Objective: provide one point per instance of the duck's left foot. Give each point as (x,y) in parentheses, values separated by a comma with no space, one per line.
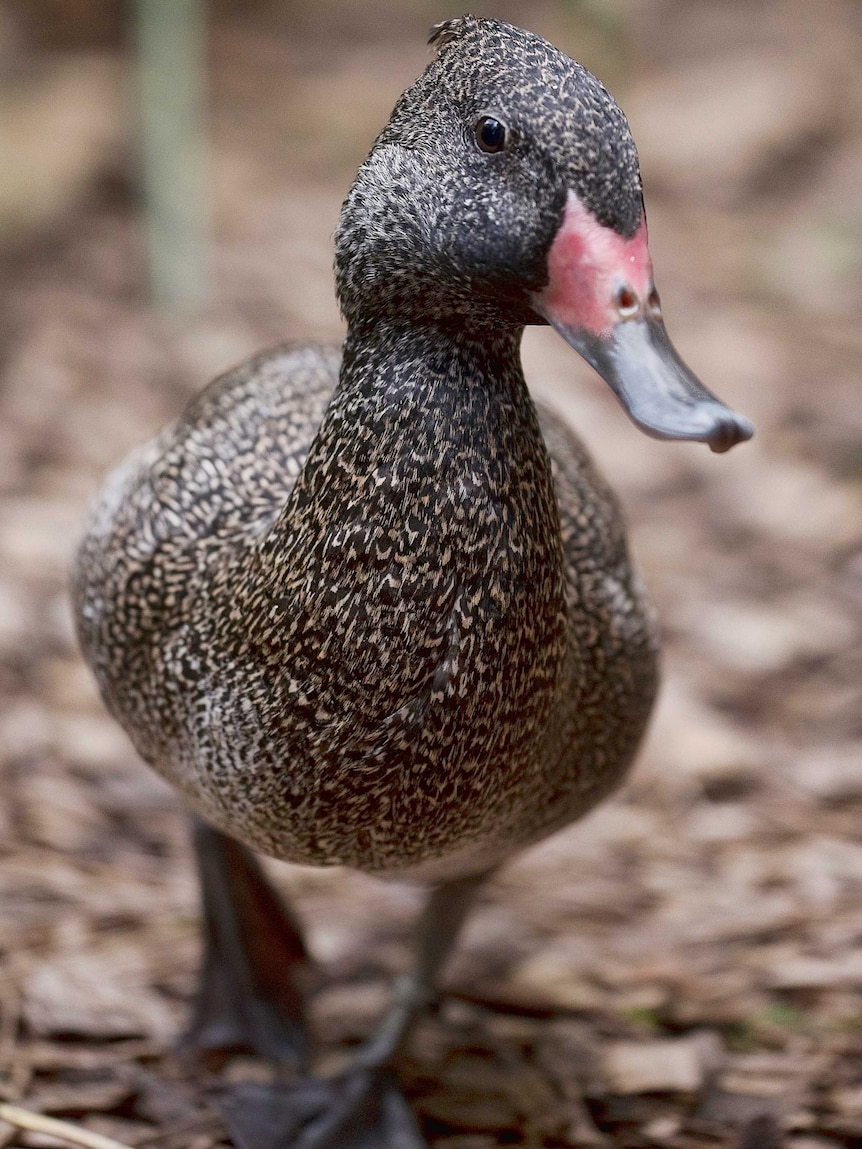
(360,1109)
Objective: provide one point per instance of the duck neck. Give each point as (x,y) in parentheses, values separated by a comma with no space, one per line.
(422,365)
(427,404)
(430,450)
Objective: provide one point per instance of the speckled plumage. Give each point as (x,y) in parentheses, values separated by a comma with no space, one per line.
(382,613)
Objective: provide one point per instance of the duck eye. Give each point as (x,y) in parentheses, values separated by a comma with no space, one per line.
(491,134)
(626,301)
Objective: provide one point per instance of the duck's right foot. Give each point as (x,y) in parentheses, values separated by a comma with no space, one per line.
(360,1109)
(250,993)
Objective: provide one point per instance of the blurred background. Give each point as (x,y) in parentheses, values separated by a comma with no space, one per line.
(683,969)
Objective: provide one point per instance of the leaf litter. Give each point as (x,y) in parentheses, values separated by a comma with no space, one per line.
(682,970)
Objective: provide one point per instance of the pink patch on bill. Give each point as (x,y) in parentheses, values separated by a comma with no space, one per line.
(587,264)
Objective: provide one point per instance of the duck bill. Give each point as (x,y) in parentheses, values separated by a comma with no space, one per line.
(600,296)
(658,391)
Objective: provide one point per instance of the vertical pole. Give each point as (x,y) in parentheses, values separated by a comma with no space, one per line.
(171,38)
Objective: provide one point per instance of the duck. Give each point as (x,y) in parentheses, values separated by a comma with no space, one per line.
(374,607)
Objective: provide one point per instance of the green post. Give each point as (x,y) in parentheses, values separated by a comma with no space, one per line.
(171,39)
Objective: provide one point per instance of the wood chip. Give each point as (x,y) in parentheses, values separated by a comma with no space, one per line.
(676,1065)
(83,994)
(818,973)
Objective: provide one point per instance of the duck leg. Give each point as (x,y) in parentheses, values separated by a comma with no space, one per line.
(361,1108)
(249,993)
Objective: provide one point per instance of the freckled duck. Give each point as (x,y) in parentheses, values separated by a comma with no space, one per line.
(374,609)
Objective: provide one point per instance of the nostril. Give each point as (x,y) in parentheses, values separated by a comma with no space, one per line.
(654,304)
(627,302)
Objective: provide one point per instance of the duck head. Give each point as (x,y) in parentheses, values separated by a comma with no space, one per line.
(505,191)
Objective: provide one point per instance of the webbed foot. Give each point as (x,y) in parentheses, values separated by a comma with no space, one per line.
(360,1109)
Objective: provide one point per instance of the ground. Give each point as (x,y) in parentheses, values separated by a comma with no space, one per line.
(684,968)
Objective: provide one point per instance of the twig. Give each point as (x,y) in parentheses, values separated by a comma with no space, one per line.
(38,1123)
